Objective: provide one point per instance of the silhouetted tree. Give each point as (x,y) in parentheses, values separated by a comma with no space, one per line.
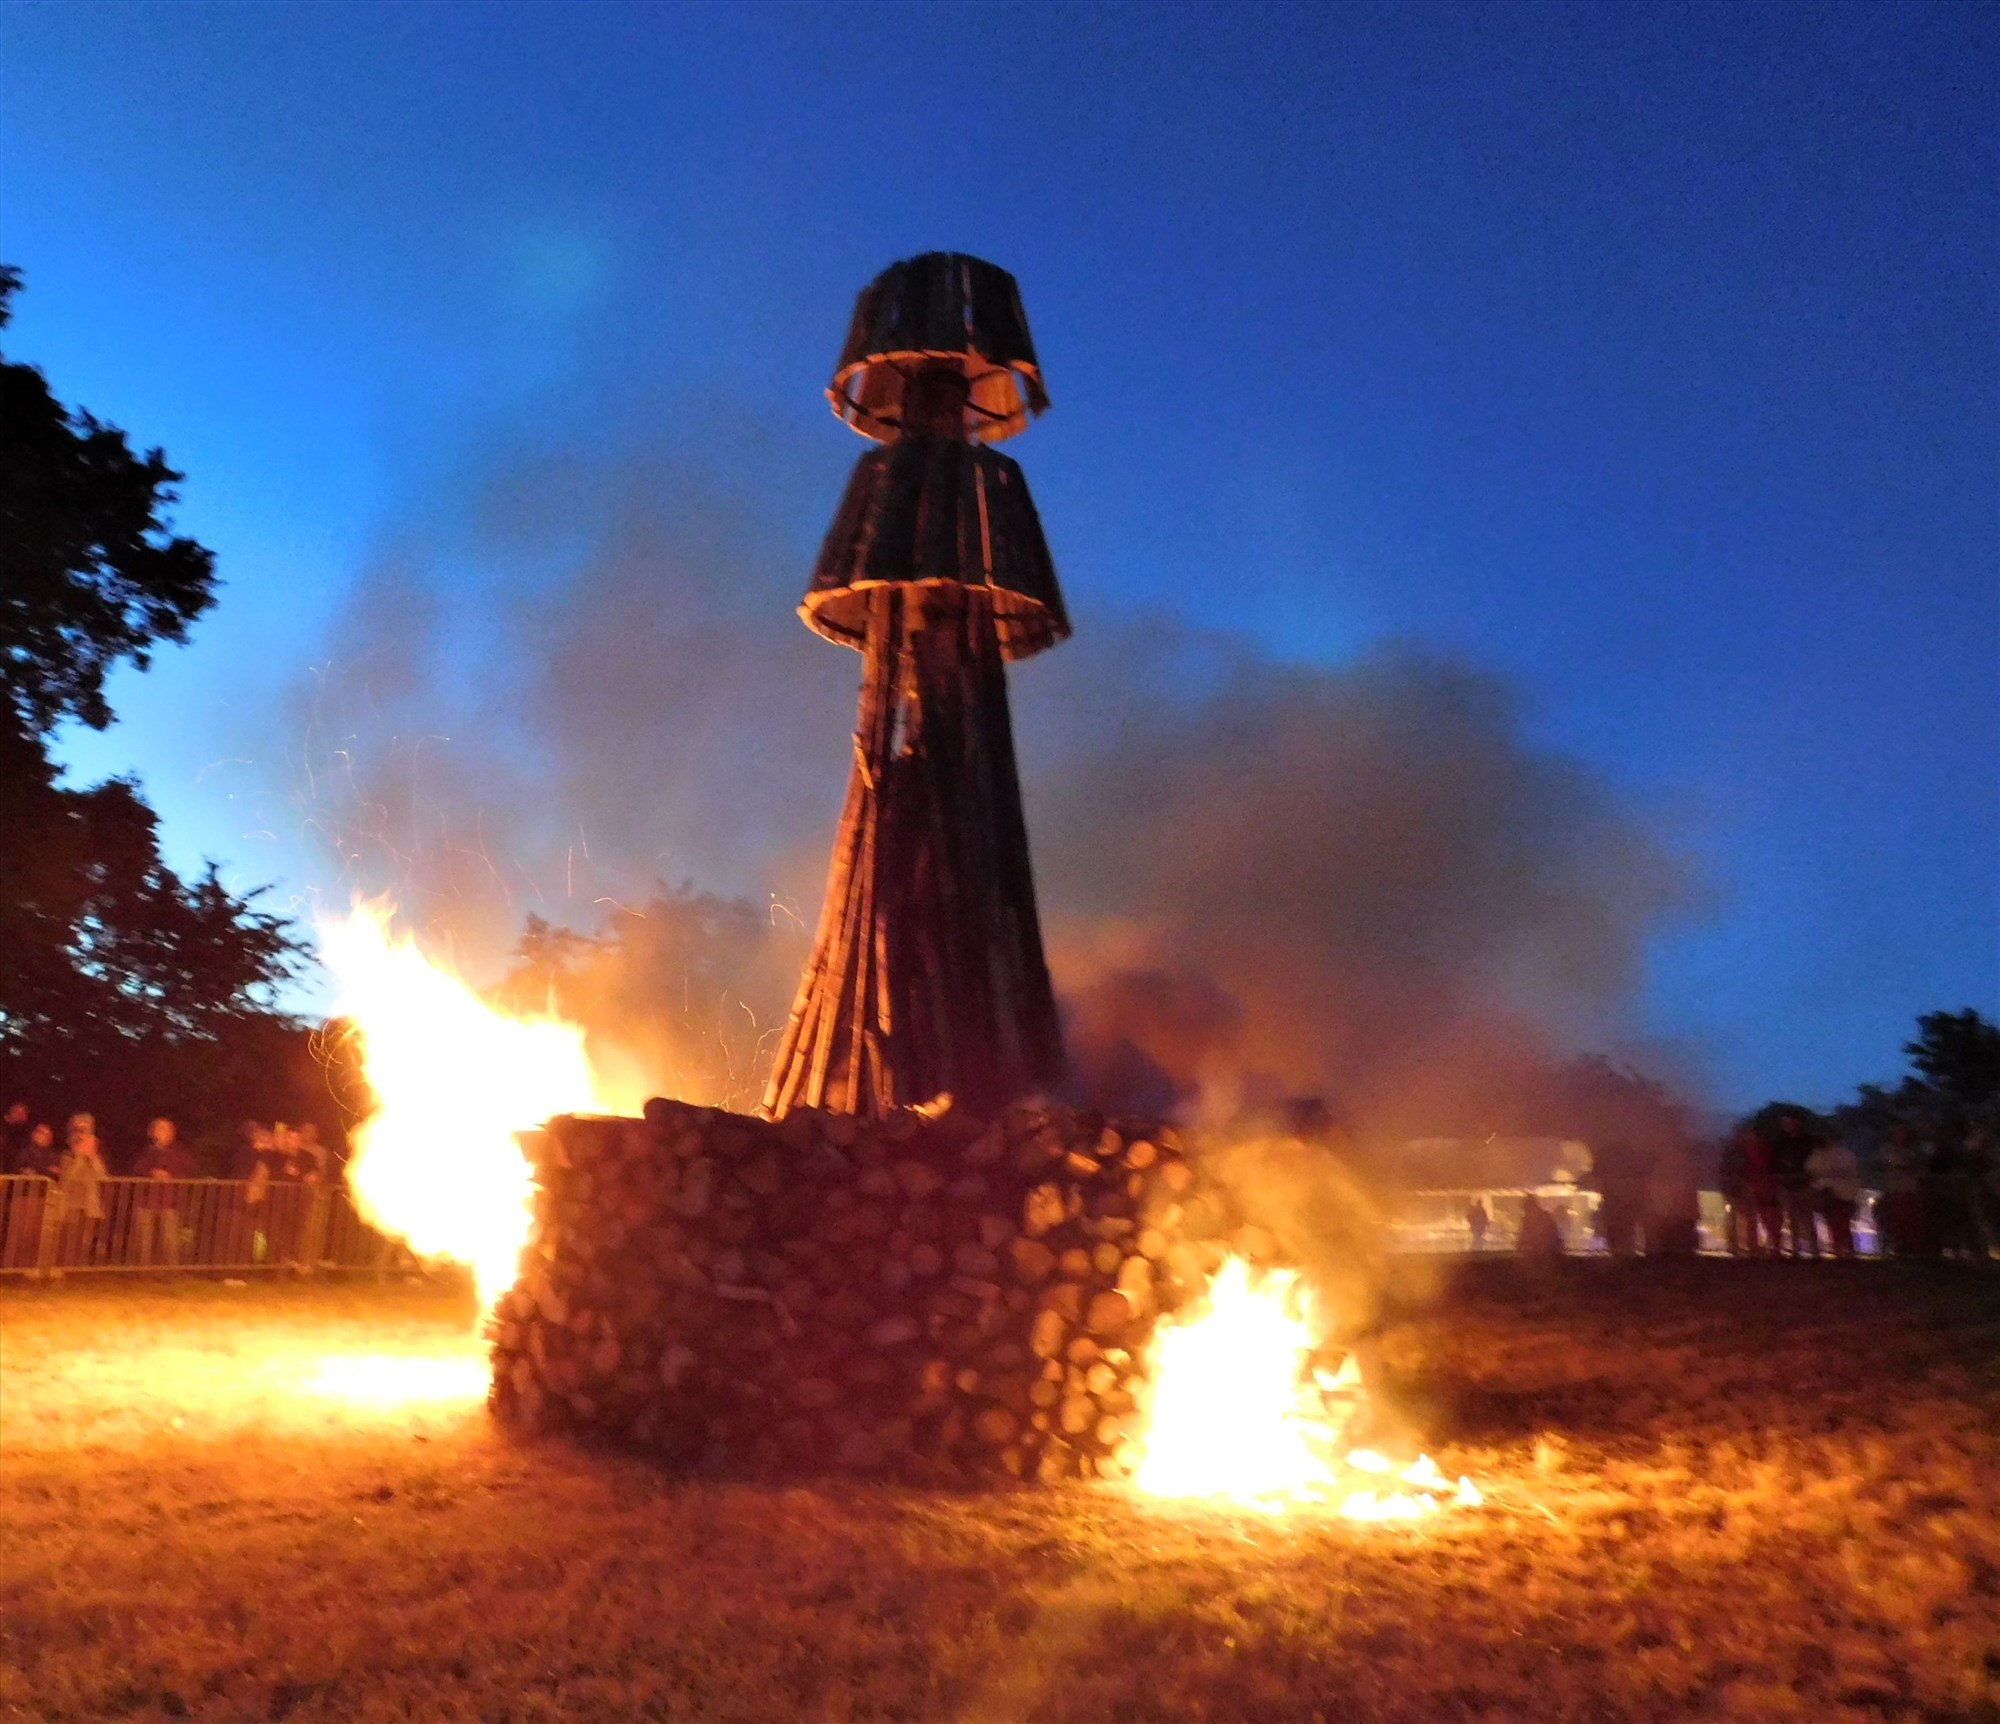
(122,987)
(1957,1055)
(1769,1120)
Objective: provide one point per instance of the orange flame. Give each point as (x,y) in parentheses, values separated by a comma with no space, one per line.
(1238,1415)
(437,1164)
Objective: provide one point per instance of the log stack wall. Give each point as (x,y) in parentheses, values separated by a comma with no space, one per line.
(937,1299)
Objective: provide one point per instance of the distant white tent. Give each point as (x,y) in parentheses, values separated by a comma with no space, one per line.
(1469,1163)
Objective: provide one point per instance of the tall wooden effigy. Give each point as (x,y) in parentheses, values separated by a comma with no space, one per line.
(927,975)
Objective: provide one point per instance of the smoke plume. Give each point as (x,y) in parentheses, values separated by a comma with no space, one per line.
(1258,879)
(1362,882)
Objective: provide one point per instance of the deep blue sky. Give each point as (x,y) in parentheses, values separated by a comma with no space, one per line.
(1644,353)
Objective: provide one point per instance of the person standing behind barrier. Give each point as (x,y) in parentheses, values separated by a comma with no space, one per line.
(164,1161)
(289,1196)
(1949,1199)
(1540,1239)
(1982,1170)
(1732,1175)
(247,1237)
(15,1130)
(80,1191)
(1835,1173)
(316,1154)
(1899,1211)
(1767,1197)
(1789,1150)
(1620,1178)
(1476,1223)
(29,1216)
(318,1167)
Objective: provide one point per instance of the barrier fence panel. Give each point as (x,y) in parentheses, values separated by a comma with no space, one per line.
(221,1224)
(1438,1221)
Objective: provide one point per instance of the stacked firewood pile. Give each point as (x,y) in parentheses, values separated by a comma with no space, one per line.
(933,1298)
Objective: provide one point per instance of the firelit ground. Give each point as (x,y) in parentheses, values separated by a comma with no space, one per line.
(1716,1490)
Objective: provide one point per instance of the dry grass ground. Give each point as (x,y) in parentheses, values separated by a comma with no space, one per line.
(1717,1491)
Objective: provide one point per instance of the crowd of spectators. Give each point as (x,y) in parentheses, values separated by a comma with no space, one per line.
(57,1208)
(1794,1188)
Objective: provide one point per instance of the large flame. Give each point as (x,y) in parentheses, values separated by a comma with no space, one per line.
(437,1164)
(1240,1415)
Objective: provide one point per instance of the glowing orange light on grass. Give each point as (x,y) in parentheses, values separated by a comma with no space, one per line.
(437,1164)
(1239,1416)
(392,1381)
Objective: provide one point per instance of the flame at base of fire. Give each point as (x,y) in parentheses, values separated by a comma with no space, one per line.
(437,1164)
(1239,1416)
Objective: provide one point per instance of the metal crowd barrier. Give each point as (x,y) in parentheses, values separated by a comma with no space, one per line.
(1435,1221)
(155,1224)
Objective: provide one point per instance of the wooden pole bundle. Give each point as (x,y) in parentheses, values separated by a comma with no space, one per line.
(927,976)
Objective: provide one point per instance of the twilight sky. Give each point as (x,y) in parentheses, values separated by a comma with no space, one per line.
(1642,354)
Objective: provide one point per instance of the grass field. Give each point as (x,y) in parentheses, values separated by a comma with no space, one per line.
(1716,1490)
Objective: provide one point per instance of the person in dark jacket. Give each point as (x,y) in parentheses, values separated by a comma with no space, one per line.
(15,1129)
(1732,1174)
(29,1214)
(241,1229)
(1540,1239)
(163,1163)
(1477,1220)
(1619,1175)
(1835,1172)
(1791,1145)
(285,1213)
(1899,1209)
(1767,1197)
(43,1156)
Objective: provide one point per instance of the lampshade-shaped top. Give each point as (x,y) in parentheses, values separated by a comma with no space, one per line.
(934,511)
(943,310)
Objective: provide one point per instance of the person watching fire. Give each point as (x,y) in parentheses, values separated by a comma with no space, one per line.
(31,1214)
(1835,1172)
(1790,1147)
(15,1129)
(79,1190)
(163,1163)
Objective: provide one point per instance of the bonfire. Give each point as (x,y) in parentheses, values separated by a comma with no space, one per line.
(905,1260)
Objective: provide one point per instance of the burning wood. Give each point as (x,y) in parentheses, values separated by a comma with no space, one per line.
(900,1266)
(1239,1412)
(927,974)
(1048,1296)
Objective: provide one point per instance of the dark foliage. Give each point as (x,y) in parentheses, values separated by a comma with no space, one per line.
(1951,1089)
(123,988)
(92,574)
(1769,1120)
(1957,1058)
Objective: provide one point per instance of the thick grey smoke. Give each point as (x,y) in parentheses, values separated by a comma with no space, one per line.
(586,684)
(1258,878)
(1362,882)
